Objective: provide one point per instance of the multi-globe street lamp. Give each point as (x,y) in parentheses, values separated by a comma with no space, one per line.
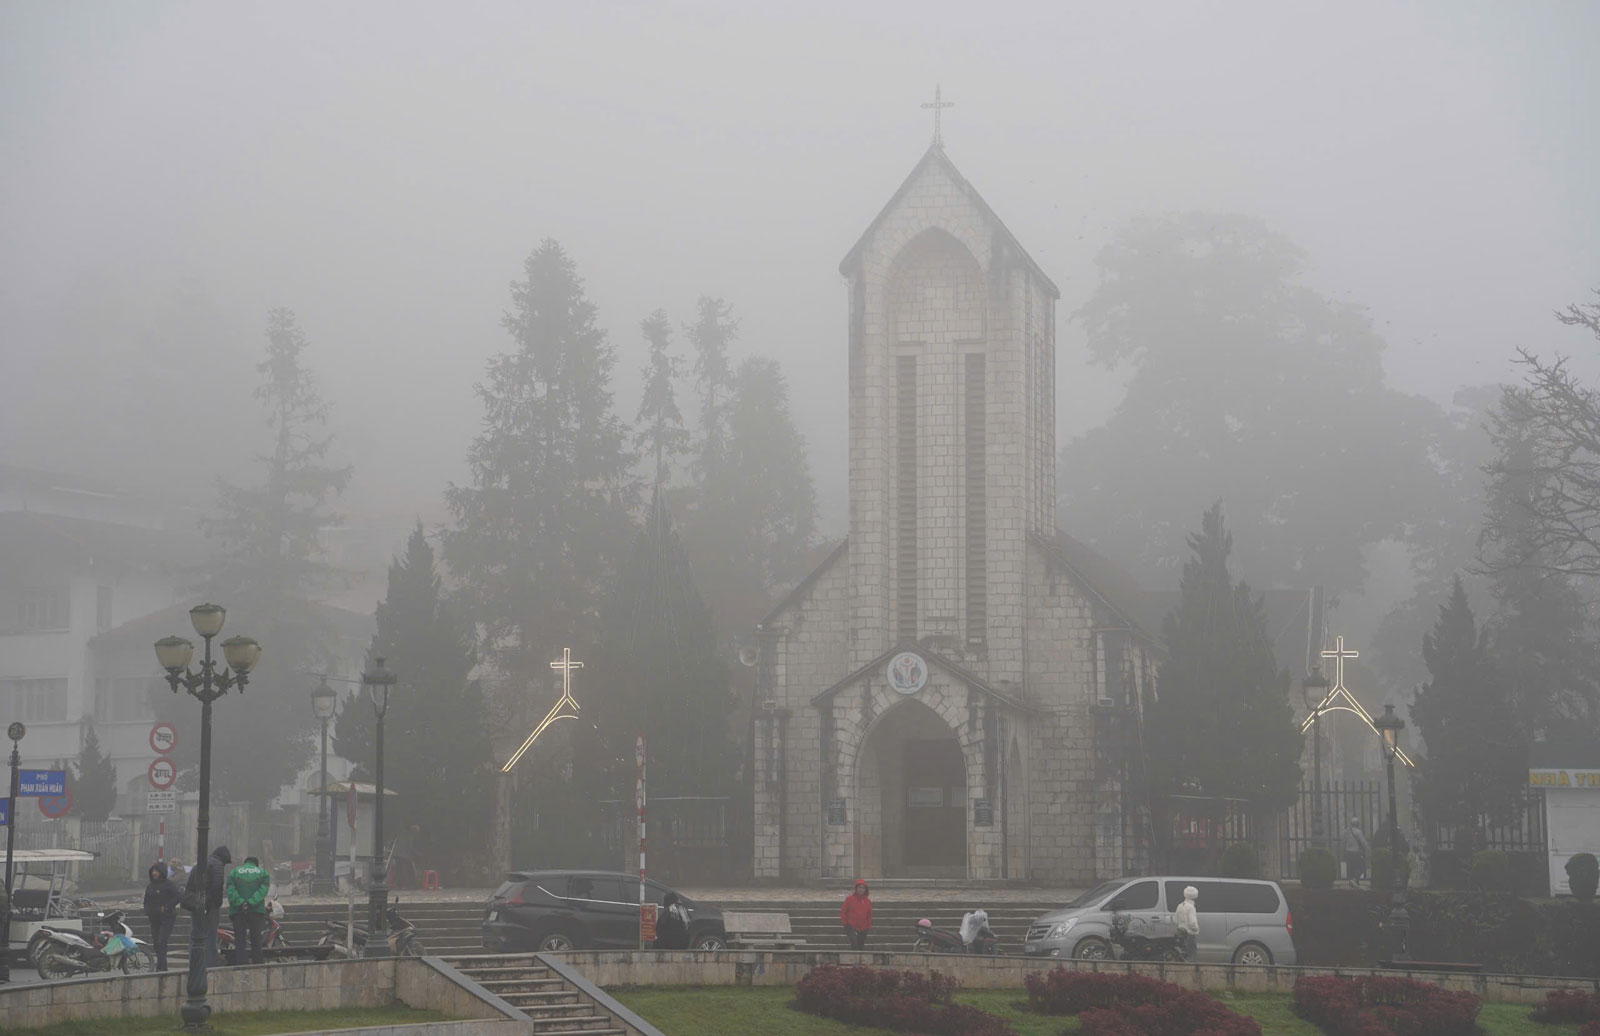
(323,701)
(1389,727)
(1315,689)
(379,682)
(206,686)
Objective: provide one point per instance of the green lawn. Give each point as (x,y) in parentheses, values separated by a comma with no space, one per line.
(731,1011)
(261,1023)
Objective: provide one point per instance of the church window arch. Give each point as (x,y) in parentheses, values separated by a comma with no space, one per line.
(937,292)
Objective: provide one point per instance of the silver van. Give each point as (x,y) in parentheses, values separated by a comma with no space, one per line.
(1246,922)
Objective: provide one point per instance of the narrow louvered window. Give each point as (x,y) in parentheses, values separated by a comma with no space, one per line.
(906,496)
(977,502)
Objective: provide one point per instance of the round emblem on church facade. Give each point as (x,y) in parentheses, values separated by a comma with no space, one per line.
(907,672)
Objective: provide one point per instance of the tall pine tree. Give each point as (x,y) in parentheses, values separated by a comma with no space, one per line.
(1475,761)
(661,436)
(94,783)
(712,334)
(436,742)
(269,566)
(1222,723)
(657,673)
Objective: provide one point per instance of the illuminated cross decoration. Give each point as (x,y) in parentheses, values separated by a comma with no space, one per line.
(1346,702)
(566,665)
(938,104)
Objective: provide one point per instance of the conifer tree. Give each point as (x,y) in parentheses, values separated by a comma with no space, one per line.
(712,333)
(94,782)
(657,673)
(436,743)
(270,566)
(1476,751)
(546,514)
(1222,723)
(661,436)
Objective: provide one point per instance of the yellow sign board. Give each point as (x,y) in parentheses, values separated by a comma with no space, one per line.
(1564,779)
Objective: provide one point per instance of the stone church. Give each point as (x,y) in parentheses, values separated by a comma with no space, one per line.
(955,691)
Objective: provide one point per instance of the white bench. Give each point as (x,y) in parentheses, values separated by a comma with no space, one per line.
(751,931)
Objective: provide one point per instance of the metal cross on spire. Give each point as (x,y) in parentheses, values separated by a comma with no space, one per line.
(938,104)
(566,665)
(1339,698)
(1339,654)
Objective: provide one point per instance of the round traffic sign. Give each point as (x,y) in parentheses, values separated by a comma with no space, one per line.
(162,773)
(56,806)
(638,750)
(163,738)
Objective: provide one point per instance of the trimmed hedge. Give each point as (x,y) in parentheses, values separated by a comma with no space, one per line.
(1133,1005)
(1378,1006)
(1563,1006)
(1340,928)
(1491,871)
(1239,861)
(1583,876)
(1319,869)
(904,1001)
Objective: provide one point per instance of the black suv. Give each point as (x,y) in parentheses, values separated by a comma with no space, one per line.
(551,911)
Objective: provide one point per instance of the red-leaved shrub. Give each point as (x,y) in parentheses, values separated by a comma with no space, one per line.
(1113,1004)
(1568,1006)
(903,1001)
(1384,1006)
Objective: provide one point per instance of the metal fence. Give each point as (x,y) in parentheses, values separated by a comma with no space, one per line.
(1198,828)
(1523,839)
(1340,801)
(689,838)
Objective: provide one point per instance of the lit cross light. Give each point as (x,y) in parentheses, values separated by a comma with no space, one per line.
(938,104)
(1346,701)
(566,665)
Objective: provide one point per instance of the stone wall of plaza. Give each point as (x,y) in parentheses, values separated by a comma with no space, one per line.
(614,969)
(422,983)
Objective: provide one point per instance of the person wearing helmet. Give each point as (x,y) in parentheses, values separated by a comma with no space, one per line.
(1187,921)
(855,915)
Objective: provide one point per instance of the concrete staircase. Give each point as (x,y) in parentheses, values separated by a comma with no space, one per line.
(556,1006)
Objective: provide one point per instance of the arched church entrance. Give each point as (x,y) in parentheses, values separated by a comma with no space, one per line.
(911,793)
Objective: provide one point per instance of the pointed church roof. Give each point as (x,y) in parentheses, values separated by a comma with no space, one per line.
(935,156)
(1106,580)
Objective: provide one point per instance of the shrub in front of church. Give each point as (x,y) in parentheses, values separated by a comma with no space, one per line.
(1381,1006)
(1583,876)
(903,1001)
(1120,1004)
(1491,871)
(1239,861)
(1383,870)
(1318,868)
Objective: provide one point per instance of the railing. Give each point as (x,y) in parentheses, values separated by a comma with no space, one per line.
(1340,800)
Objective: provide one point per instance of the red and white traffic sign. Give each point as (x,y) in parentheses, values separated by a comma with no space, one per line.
(162,774)
(350,805)
(163,738)
(56,806)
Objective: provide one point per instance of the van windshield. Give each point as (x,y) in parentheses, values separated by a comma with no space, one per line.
(1096,894)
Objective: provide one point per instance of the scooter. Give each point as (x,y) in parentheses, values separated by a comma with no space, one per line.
(403,941)
(1135,946)
(936,940)
(65,953)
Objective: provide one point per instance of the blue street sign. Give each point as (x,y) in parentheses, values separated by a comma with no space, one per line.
(5,812)
(42,782)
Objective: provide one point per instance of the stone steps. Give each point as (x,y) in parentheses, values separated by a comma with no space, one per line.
(552,1005)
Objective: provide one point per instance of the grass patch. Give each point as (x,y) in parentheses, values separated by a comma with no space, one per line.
(254,1023)
(738,1011)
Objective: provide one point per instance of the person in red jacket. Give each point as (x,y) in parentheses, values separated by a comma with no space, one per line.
(856,916)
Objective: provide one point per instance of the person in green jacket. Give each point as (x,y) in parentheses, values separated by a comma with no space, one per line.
(248,886)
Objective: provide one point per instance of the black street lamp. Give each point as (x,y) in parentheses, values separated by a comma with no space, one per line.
(1389,726)
(1315,688)
(323,701)
(16,732)
(379,683)
(174,654)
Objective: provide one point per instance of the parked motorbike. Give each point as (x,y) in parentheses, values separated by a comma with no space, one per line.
(936,940)
(274,937)
(65,953)
(1132,945)
(403,941)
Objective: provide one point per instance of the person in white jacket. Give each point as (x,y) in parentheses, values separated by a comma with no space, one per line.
(1187,920)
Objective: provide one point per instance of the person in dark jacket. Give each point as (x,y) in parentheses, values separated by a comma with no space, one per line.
(672,927)
(216,874)
(161,907)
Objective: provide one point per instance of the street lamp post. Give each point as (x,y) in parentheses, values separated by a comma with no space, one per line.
(1389,726)
(16,732)
(323,700)
(206,686)
(379,683)
(1315,689)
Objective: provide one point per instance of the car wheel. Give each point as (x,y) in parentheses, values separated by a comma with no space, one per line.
(710,942)
(1252,953)
(556,942)
(1092,948)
